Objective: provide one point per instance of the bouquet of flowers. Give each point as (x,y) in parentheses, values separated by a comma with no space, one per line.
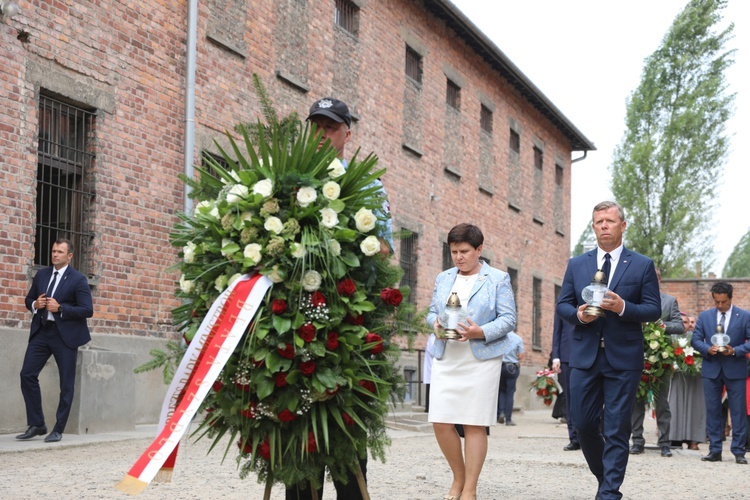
(687,359)
(546,385)
(659,359)
(308,385)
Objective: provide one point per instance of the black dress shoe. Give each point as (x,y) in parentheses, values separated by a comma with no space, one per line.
(665,451)
(53,437)
(33,431)
(572,447)
(636,449)
(711,457)
(740,460)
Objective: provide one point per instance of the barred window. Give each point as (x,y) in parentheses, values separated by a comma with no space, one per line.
(207,159)
(347,15)
(536,319)
(65,193)
(408,262)
(447,260)
(538,158)
(413,64)
(558,175)
(515,141)
(453,95)
(485,119)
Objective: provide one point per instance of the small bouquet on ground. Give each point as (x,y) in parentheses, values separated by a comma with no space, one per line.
(658,360)
(687,359)
(546,385)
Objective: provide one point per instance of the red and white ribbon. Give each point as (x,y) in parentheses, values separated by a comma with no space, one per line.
(213,344)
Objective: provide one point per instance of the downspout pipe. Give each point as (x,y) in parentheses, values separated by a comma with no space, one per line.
(190,62)
(585,153)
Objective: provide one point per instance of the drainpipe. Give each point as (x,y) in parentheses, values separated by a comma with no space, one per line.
(192,35)
(585,152)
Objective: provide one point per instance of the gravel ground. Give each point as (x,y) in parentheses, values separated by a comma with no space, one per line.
(526,461)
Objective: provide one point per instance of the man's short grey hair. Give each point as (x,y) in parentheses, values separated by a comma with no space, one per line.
(605,205)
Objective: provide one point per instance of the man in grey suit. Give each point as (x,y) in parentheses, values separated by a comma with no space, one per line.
(670,316)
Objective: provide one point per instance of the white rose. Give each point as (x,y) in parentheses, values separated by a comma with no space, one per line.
(306,195)
(370,246)
(298,250)
(335,247)
(329,217)
(252,252)
(206,207)
(664,354)
(214,212)
(237,193)
(246,216)
(311,281)
(186,285)
(365,220)
(233,278)
(220,283)
(188,252)
(336,169)
(652,359)
(274,225)
(275,276)
(225,242)
(331,190)
(654,345)
(263,188)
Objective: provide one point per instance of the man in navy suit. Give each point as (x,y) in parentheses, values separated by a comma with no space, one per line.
(60,299)
(561,337)
(606,353)
(721,368)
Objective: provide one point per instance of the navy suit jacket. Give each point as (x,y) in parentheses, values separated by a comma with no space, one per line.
(561,337)
(634,280)
(74,294)
(734,367)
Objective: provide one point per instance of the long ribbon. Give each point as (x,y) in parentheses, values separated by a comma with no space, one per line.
(215,341)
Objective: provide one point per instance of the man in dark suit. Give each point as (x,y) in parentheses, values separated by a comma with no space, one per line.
(60,299)
(721,368)
(670,316)
(606,353)
(561,337)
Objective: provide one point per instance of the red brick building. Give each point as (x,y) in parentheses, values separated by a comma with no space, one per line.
(93,99)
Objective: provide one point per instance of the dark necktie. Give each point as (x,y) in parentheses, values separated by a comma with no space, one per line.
(721,322)
(51,286)
(607,266)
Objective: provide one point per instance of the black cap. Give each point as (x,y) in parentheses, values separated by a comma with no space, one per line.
(332,108)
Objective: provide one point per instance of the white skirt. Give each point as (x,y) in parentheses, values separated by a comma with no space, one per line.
(464,389)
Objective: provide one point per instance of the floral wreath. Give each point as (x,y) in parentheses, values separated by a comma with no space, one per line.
(308,385)
(659,360)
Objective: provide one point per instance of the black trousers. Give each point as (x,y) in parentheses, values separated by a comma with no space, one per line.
(348,491)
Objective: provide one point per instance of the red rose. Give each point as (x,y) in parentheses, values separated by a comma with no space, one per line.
(644,378)
(250,411)
(287,416)
(317,299)
(265,450)
(665,365)
(346,287)
(647,366)
(539,392)
(278,306)
(374,337)
(287,351)
(347,419)
(246,448)
(258,363)
(307,367)
(678,351)
(307,332)
(242,387)
(689,360)
(548,402)
(312,446)
(391,296)
(218,385)
(331,392)
(333,341)
(358,320)
(368,385)
(545,392)
(280,379)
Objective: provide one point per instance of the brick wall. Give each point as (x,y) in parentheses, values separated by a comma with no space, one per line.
(694,295)
(127,61)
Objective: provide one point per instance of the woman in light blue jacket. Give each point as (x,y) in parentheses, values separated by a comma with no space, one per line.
(466,372)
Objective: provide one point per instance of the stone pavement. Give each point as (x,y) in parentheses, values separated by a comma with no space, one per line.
(525,462)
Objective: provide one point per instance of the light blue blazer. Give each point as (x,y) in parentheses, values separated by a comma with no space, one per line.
(491,306)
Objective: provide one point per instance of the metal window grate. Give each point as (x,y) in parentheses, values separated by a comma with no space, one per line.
(413,64)
(408,262)
(536,326)
(347,16)
(65,194)
(558,175)
(208,157)
(485,119)
(515,141)
(453,95)
(538,158)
